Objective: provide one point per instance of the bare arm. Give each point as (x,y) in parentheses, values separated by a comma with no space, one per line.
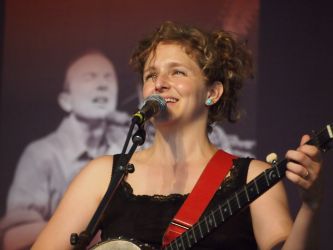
(304,170)
(77,206)
(270,214)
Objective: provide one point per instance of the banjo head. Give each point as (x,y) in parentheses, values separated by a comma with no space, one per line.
(121,244)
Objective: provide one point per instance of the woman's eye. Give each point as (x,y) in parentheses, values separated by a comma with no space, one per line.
(150,76)
(179,72)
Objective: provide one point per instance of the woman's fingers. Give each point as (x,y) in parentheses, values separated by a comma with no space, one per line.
(303,169)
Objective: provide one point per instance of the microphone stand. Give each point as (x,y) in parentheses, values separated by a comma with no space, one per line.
(120,170)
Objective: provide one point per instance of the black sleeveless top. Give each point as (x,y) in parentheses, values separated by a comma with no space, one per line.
(145,218)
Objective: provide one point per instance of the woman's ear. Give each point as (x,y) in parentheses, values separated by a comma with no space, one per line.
(215,92)
(64,101)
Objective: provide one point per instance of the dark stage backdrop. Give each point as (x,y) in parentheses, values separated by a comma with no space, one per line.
(290,94)
(295,86)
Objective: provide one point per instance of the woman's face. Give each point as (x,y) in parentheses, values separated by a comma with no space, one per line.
(173,74)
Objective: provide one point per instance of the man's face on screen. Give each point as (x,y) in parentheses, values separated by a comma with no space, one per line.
(92,87)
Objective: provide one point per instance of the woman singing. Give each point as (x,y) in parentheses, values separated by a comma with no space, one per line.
(199,74)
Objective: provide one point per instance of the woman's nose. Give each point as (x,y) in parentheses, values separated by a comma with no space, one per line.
(161,82)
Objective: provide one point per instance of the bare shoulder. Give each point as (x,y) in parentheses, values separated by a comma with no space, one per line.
(276,193)
(99,165)
(96,175)
(256,167)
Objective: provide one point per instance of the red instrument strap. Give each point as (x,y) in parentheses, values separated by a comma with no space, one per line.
(203,191)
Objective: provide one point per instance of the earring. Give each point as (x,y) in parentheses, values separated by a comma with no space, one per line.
(209,102)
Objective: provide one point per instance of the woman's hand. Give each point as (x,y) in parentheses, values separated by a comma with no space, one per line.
(304,169)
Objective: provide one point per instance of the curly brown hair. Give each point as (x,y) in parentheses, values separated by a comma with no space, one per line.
(220,56)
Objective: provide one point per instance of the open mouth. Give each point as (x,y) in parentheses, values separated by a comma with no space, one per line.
(170,99)
(100,100)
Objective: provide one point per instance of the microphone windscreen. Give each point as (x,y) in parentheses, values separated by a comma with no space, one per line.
(159,99)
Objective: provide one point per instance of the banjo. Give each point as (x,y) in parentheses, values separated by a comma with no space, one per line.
(227,208)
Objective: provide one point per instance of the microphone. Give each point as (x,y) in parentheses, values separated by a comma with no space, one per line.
(152,106)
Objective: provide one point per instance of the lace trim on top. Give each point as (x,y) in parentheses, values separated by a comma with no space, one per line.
(227,184)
